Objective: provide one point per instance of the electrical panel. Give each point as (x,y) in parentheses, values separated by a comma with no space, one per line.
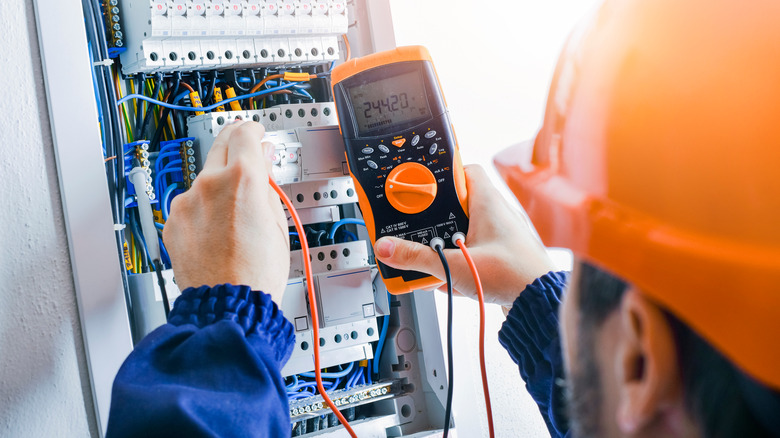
(169,75)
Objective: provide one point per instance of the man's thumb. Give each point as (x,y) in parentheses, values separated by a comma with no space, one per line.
(407,256)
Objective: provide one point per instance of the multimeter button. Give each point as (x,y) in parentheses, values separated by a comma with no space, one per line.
(430,134)
(433,149)
(384,149)
(411,188)
(371,164)
(400,142)
(368,151)
(415,140)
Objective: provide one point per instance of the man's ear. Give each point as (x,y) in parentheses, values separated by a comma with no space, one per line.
(647,372)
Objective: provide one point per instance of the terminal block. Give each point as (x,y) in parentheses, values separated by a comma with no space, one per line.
(114,31)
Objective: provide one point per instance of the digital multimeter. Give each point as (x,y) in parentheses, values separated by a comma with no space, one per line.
(402,153)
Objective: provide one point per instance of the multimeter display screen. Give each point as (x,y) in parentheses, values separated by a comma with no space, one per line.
(389,102)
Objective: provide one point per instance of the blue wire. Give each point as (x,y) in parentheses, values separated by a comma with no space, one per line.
(334,385)
(129,201)
(181,96)
(161,156)
(351,235)
(205,108)
(353,379)
(97,99)
(158,179)
(166,258)
(348,221)
(335,375)
(382,336)
(295,382)
(159,225)
(368,373)
(164,199)
(304,92)
(139,238)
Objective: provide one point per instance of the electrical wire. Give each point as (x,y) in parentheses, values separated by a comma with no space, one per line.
(335,375)
(460,241)
(450,361)
(158,268)
(348,221)
(259,85)
(382,336)
(166,198)
(205,108)
(348,55)
(312,307)
(148,115)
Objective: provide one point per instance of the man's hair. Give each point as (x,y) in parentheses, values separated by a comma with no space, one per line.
(714,390)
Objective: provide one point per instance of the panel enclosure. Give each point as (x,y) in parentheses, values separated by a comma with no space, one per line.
(118,307)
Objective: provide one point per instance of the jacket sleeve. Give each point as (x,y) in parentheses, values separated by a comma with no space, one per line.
(212,370)
(530,334)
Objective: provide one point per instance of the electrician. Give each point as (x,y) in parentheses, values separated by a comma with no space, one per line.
(654,165)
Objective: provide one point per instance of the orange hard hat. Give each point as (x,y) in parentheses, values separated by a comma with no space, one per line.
(657,158)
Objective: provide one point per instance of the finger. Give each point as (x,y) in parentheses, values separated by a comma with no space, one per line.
(245,146)
(481,190)
(411,256)
(217,156)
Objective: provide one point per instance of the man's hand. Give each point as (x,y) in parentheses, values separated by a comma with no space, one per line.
(507,254)
(230,226)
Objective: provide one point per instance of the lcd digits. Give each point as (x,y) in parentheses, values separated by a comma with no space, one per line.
(379,103)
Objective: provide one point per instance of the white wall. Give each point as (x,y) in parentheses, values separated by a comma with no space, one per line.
(44,385)
(495,60)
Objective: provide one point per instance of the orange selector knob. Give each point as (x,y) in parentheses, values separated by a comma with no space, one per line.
(410,188)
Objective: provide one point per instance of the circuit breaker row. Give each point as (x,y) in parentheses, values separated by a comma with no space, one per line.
(206,34)
(308,143)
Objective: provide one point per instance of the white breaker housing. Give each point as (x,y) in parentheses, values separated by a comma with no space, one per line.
(170,35)
(309,146)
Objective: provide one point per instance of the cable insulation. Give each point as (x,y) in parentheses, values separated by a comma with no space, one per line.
(485,390)
(450,361)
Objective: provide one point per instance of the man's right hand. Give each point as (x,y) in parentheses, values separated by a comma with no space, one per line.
(230,226)
(506,251)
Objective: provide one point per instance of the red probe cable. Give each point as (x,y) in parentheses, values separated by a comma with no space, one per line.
(486,391)
(312,307)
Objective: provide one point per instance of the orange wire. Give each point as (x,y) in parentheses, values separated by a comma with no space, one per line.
(187,86)
(257,87)
(347,47)
(312,307)
(486,391)
(110,158)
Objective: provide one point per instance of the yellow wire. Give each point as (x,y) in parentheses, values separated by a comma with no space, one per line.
(132,252)
(118,86)
(132,91)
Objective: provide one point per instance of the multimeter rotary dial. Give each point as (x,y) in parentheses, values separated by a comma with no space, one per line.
(410,188)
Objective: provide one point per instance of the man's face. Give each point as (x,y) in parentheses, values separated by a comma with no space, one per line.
(591,396)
